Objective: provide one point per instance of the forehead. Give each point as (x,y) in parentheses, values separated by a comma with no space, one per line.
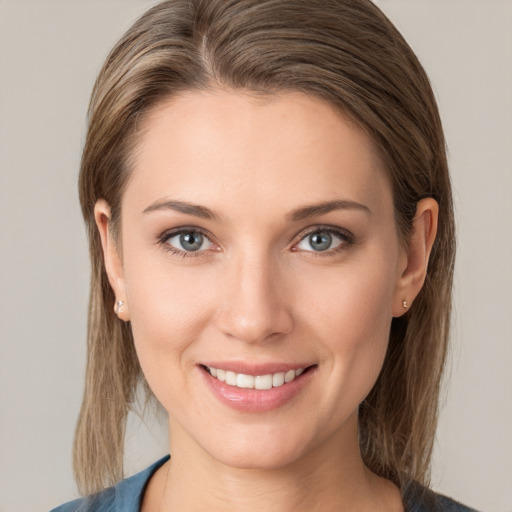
(229,149)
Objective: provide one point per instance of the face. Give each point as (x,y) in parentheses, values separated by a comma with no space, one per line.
(261,268)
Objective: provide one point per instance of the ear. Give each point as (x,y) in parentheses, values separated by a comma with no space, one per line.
(112,258)
(416,255)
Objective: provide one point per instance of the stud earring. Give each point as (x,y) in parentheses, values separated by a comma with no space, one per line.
(404,304)
(118,307)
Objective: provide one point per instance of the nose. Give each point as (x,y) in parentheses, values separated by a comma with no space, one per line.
(253,308)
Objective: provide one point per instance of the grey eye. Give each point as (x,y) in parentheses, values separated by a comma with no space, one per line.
(319,241)
(190,241)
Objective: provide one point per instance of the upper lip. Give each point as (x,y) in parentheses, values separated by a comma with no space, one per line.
(255,368)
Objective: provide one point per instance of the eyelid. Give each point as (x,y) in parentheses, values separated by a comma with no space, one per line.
(163,237)
(346,236)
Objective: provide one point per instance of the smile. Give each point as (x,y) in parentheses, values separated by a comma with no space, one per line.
(259,382)
(256,388)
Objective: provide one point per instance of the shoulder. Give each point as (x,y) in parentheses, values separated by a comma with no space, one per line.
(101,502)
(123,497)
(420,499)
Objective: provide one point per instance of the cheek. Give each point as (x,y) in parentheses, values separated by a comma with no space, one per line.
(169,308)
(350,311)
(356,297)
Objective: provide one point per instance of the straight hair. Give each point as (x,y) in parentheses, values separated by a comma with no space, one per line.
(345,52)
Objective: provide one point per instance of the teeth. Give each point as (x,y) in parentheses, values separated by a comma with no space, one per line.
(244,381)
(231,378)
(278,379)
(289,376)
(260,382)
(263,382)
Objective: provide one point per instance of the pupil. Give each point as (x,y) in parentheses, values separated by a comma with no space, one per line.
(320,241)
(191,241)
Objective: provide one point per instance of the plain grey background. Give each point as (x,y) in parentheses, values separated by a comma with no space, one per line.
(50,53)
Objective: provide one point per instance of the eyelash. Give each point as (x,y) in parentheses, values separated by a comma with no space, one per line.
(162,240)
(347,239)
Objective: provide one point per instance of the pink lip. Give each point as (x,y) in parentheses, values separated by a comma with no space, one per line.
(253,400)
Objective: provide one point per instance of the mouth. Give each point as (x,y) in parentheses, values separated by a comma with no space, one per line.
(263,382)
(257,388)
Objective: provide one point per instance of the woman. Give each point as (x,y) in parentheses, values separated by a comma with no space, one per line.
(271,229)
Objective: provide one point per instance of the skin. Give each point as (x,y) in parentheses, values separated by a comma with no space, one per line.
(258,292)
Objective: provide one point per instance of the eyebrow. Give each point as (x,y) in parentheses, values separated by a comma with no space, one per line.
(182,207)
(316,210)
(299,214)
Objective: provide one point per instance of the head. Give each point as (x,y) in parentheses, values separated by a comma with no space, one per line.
(346,56)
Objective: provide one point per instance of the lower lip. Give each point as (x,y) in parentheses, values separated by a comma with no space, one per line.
(254,400)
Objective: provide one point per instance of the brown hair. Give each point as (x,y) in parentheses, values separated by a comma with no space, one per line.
(345,52)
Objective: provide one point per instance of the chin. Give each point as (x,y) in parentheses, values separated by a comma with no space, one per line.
(261,449)
(263,459)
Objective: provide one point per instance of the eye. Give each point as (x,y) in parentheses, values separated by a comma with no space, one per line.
(189,241)
(323,240)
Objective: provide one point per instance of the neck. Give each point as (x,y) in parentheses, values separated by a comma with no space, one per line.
(330,477)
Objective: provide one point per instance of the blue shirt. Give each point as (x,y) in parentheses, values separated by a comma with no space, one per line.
(127,495)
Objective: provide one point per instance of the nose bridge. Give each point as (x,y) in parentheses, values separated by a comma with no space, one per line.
(253,306)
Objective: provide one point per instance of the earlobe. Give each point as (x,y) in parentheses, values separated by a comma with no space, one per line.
(112,258)
(417,253)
